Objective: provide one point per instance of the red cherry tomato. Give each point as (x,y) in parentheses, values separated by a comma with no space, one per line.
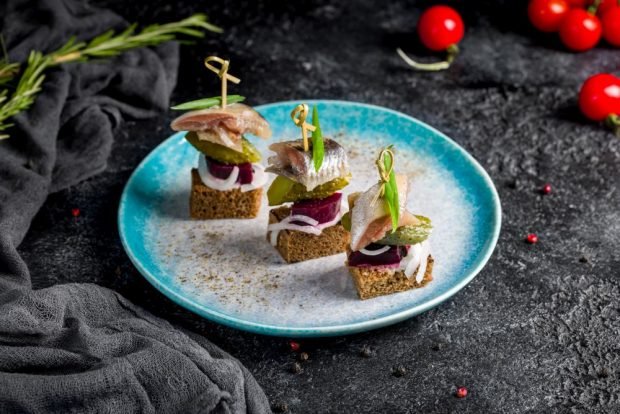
(546,15)
(605,5)
(580,30)
(577,3)
(599,96)
(611,26)
(440,27)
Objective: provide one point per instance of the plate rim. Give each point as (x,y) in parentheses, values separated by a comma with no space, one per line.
(317,331)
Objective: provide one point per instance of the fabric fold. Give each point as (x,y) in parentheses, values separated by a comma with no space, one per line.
(82,347)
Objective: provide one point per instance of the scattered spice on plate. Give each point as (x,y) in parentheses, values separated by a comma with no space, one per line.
(75,212)
(304,356)
(546,189)
(399,371)
(294,346)
(532,238)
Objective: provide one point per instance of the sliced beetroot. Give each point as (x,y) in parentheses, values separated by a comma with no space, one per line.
(393,256)
(223,171)
(322,210)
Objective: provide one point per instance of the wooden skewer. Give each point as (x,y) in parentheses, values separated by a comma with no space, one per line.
(384,175)
(299,115)
(222,72)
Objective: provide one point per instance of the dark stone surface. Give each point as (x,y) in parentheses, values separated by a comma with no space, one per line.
(536,331)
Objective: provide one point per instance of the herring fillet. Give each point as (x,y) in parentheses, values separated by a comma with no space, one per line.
(293,162)
(223,126)
(371,221)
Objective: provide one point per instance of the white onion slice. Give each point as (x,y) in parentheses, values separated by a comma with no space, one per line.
(304,219)
(422,268)
(413,257)
(416,260)
(344,208)
(259,178)
(215,183)
(313,226)
(298,227)
(374,252)
(286,224)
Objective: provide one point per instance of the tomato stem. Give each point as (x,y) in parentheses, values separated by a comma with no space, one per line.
(594,7)
(613,122)
(452,52)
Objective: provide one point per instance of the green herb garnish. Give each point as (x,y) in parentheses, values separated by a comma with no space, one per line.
(105,45)
(389,190)
(318,148)
(208,103)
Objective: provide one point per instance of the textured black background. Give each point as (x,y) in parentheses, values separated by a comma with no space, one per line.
(538,329)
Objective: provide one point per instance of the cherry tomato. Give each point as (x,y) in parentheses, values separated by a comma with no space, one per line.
(611,26)
(546,15)
(580,30)
(577,3)
(599,96)
(440,27)
(605,5)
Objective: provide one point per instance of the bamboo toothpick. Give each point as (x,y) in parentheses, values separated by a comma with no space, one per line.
(299,115)
(222,72)
(384,174)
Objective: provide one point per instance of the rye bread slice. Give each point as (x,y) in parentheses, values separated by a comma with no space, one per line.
(376,281)
(206,203)
(296,246)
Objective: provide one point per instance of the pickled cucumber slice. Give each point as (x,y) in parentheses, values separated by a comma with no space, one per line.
(285,190)
(345,220)
(410,234)
(279,188)
(223,154)
(346,217)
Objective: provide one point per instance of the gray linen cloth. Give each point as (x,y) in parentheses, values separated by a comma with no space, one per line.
(81,347)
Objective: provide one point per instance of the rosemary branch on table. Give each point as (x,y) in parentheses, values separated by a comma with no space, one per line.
(106,45)
(7,70)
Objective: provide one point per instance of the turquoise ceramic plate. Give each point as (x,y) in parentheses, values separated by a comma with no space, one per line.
(226,271)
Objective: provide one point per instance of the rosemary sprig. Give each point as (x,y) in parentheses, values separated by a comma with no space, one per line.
(105,45)
(25,92)
(7,69)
